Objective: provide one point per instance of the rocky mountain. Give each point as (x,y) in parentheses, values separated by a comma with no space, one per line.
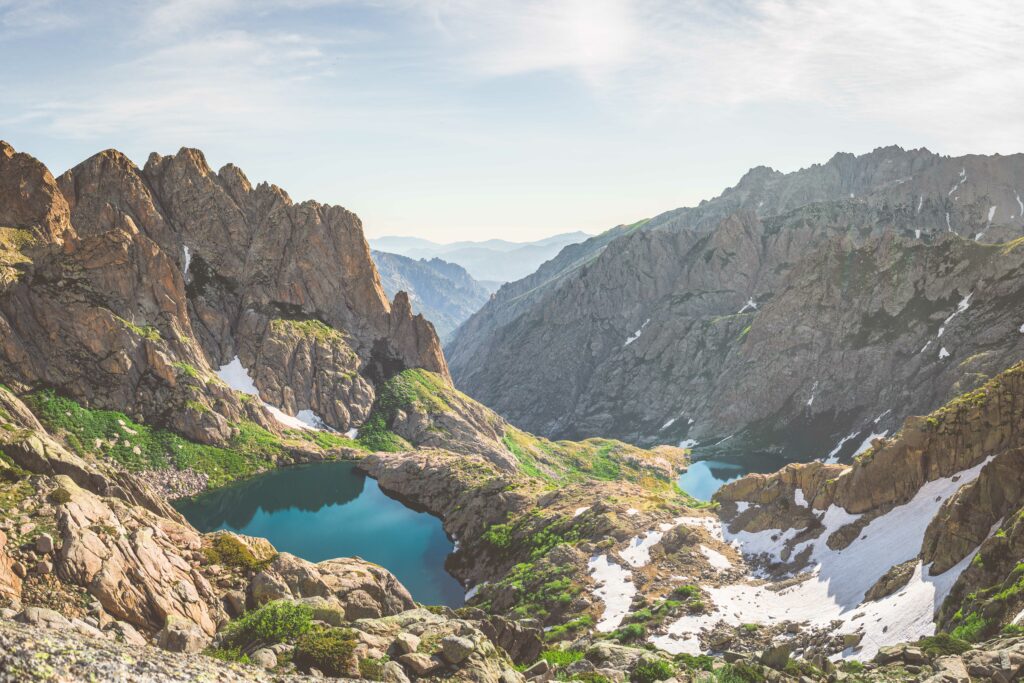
(170,329)
(489,261)
(127,288)
(443,292)
(801,312)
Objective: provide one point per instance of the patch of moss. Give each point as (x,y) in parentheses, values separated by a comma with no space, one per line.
(228,551)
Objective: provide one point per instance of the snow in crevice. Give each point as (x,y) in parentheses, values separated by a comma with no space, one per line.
(964,304)
(839,579)
(799,498)
(866,444)
(1020,204)
(668,424)
(920,203)
(614,588)
(238,378)
(963,179)
(472,592)
(833,455)
(814,388)
(948,226)
(751,304)
(636,335)
(917,234)
(188,261)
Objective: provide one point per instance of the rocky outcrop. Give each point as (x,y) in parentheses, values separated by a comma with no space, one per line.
(126,288)
(791,311)
(132,561)
(443,292)
(360,589)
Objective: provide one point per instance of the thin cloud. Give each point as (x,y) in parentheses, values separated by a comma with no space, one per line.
(949,67)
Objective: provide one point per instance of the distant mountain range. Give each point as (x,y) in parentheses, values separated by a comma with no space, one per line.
(443,292)
(489,261)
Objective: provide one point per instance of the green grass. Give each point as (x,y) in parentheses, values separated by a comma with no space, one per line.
(186,369)
(561,657)
(330,440)
(943,644)
(139,447)
(145,331)
(410,390)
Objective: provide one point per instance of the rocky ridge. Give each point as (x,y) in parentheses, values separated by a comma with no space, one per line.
(443,292)
(729,318)
(128,288)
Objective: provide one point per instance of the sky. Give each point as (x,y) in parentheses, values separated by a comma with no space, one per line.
(519,119)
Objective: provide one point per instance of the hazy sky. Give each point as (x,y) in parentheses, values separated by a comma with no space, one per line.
(454,119)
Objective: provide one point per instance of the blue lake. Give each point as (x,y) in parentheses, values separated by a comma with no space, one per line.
(703,477)
(327,510)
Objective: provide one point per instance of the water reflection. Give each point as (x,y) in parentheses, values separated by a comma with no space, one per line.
(329,510)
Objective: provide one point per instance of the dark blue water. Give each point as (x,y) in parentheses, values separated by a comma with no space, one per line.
(329,510)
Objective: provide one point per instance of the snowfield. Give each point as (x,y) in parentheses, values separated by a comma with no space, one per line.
(839,578)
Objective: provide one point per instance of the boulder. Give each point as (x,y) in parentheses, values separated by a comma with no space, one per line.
(180,635)
(44,544)
(406,643)
(392,672)
(419,664)
(456,648)
(264,658)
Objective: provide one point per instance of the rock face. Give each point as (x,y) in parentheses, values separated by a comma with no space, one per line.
(126,288)
(791,311)
(443,292)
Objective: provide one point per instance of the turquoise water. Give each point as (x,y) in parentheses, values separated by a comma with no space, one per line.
(329,510)
(704,477)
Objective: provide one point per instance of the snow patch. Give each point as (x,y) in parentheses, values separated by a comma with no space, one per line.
(751,304)
(580,511)
(917,233)
(715,558)
(799,498)
(840,578)
(188,261)
(636,335)
(943,353)
(690,443)
(352,433)
(638,551)
(668,424)
(238,378)
(614,588)
(964,304)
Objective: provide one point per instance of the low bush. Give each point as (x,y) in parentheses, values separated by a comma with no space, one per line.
(275,622)
(330,650)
